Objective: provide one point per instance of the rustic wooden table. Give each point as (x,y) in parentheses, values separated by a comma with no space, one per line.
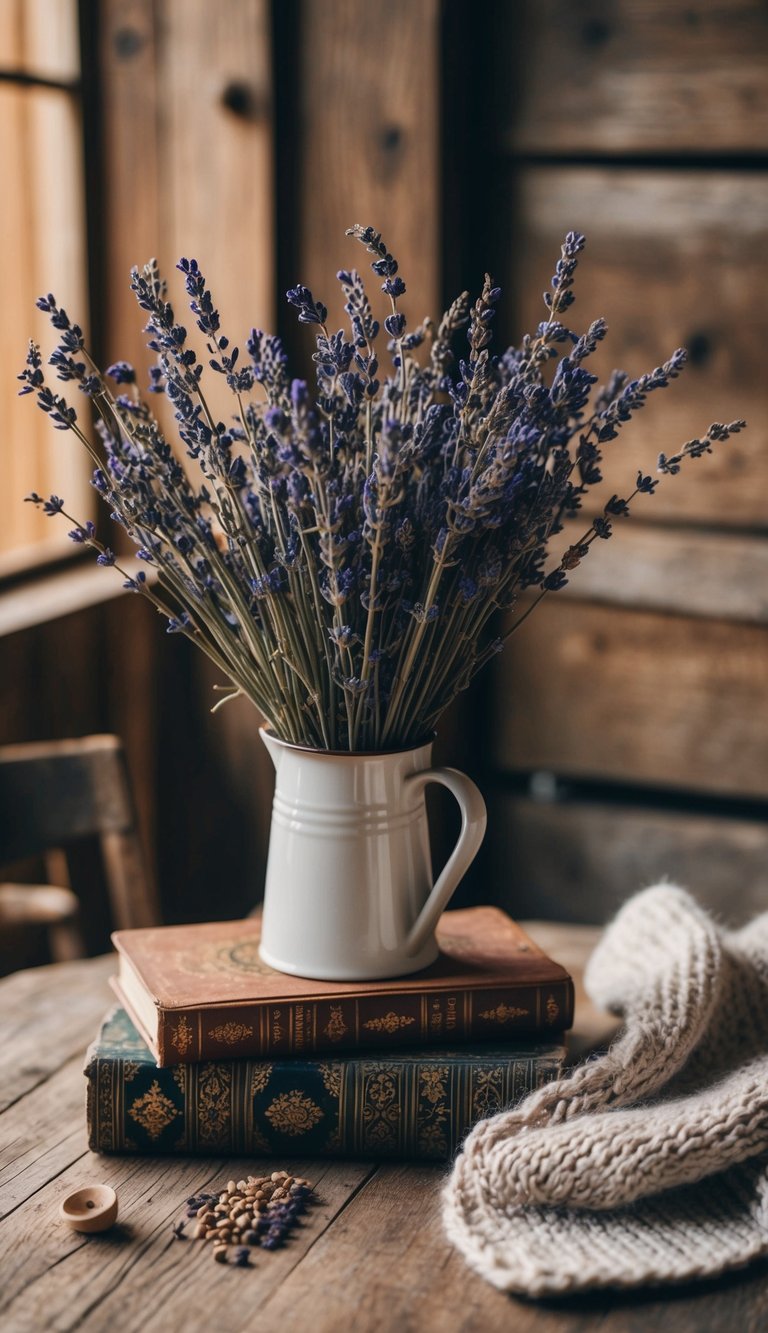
(371,1257)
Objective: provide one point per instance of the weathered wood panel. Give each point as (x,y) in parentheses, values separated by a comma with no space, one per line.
(365,145)
(41,230)
(40,38)
(188,138)
(632,76)
(709,575)
(604,692)
(579,860)
(673,258)
(36,1037)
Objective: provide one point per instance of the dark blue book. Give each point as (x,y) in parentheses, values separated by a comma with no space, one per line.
(416,1104)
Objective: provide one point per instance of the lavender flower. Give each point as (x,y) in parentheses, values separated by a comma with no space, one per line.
(341,551)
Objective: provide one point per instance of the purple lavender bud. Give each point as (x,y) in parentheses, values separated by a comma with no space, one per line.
(122,372)
(395,325)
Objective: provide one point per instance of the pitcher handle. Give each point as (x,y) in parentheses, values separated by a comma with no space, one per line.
(473,821)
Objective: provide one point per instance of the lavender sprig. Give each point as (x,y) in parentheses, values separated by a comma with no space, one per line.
(341,551)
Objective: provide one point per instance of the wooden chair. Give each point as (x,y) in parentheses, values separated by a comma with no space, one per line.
(56,793)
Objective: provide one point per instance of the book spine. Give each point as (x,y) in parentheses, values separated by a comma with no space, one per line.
(394,1020)
(400,1109)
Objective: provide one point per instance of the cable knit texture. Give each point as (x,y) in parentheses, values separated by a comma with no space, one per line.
(649,1163)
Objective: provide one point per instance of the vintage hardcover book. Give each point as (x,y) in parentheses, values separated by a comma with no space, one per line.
(202,993)
(404,1104)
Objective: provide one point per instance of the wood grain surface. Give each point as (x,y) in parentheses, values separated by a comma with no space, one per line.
(366,145)
(40,39)
(632,696)
(702,575)
(633,76)
(371,1257)
(578,860)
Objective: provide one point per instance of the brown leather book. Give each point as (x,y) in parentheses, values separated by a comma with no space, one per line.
(202,993)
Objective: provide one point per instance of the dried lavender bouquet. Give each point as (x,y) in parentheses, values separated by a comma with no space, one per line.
(341,553)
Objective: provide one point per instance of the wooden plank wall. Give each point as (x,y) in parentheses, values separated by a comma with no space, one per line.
(643,689)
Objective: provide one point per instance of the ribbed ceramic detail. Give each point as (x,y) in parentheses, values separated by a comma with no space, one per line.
(349,893)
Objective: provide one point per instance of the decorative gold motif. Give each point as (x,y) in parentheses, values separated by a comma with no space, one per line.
(382,1108)
(293,1113)
(335,1028)
(130,1070)
(433,1111)
(553,1009)
(432,1082)
(391,1022)
(214,1106)
(260,1076)
(182,1036)
(432,1140)
(180,1077)
(154,1111)
(487,1091)
(331,1076)
(107,1127)
(231,1032)
(503,1013)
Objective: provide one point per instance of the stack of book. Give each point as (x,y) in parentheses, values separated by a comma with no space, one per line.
(211,1051)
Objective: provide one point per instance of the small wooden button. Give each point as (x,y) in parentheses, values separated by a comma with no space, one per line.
(93,1208)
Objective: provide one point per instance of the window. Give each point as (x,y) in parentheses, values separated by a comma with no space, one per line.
(43,245)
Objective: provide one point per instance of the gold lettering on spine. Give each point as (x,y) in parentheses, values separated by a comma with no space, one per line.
(278,1030)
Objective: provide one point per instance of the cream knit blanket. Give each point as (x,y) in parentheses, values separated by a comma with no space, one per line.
(650,1163)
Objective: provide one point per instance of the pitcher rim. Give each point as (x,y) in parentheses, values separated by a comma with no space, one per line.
(347,754)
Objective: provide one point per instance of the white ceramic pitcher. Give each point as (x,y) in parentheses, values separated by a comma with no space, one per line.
(349,893)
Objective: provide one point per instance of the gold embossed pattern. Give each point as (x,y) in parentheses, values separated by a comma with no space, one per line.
(154,1111)
(182,1036)
(335,1028)
(260,1076)
(214,1105)
(504,1013)
(293,1113)
(390,1022)
(231,1033)
(382,1106)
